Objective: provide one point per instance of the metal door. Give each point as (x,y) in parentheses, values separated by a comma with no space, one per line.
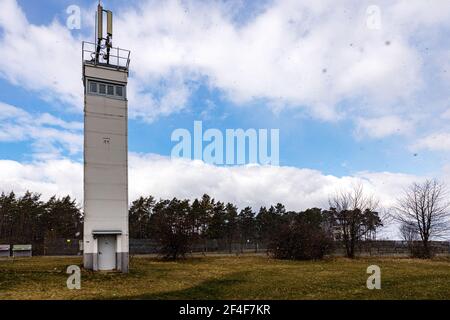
(106,252)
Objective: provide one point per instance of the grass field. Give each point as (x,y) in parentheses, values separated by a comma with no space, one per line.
(229,277)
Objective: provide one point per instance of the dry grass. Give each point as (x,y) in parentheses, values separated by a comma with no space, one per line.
(229,277)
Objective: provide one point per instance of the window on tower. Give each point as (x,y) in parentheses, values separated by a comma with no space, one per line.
(110,90)
(106,89)
(119,91)
(93,87)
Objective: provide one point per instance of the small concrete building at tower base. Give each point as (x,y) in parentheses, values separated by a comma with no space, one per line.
(105,242)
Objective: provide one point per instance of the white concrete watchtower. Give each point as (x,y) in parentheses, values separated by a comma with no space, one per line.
(105,77)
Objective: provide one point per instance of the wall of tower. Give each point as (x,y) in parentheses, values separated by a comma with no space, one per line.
(105,166)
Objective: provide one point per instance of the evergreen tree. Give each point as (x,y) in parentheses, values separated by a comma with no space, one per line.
(247,225)
(231,224)
(139,217)
(61,219)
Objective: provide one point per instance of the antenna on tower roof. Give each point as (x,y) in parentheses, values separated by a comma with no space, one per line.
(109,32)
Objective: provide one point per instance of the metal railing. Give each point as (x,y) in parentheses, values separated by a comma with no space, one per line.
(119,58)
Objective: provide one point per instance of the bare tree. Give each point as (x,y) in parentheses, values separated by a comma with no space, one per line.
(410,234)
(354,214)
(425,207)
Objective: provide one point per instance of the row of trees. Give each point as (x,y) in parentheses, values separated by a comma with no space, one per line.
(353,216)
(176,224)
(28,219)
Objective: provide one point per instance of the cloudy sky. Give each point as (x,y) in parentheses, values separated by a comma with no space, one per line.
(359,91)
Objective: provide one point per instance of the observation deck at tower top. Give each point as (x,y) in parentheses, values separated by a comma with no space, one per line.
(118,58)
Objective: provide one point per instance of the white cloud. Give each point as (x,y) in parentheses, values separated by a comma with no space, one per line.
(293,54)
(49,135)
(383,126)
(49,177)
(146,106)
(388,186)
(163,177)
(256,186)
(446,114)
(45,58)
(250,185)
(439,141)
(316,55)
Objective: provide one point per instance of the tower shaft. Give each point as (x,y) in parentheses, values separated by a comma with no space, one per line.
(105,168)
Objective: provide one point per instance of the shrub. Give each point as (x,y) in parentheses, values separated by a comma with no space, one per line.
(172,229)
(301,237)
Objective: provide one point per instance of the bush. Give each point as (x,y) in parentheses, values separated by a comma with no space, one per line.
(171,228)
(174,245)
(301,237)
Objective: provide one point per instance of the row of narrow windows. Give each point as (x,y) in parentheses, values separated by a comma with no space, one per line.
(106,89)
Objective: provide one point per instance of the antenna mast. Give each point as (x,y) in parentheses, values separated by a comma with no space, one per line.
(109,33)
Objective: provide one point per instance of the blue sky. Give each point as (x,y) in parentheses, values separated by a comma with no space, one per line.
(304,142)
(351,101)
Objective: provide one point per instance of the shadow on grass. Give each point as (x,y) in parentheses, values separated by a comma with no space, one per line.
(213,289)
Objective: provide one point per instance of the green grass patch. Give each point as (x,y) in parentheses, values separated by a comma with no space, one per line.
(229,277)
